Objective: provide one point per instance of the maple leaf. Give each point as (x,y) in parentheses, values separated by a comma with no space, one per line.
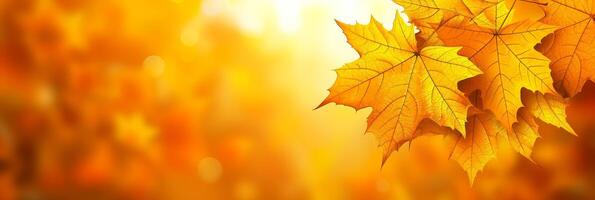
(402,83)
(570,47)
(548,108)
(498,36)
(485,135)
(504,52)
(474,151)
(501,13)
(433,10)
(524,134)
(425,13)
(480,12)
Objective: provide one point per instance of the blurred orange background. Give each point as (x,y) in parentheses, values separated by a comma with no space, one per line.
(213,99)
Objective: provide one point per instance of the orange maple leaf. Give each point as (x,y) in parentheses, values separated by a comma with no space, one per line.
(402,84)
(504,51)
(570,47)
(499,37)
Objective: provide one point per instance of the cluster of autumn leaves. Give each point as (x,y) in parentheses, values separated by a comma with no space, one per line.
(482,71)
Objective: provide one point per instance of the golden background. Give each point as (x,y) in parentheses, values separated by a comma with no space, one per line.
(213,99)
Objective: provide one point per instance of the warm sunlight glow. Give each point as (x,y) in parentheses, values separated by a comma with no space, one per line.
(215,99)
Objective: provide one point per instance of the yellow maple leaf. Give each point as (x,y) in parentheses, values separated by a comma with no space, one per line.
(524,133)
(501,13)
(403,84)
(504,52)
(425,13)
(480,12)
(485,135)
(484,18)
(570,47)
(498,36)
(548,108)
(433,11)
(474,151)
(422,13)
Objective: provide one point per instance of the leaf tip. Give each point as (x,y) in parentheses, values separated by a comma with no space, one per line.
(323,103)
(344,26)
(471,176)
(571,131)
(384,159)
